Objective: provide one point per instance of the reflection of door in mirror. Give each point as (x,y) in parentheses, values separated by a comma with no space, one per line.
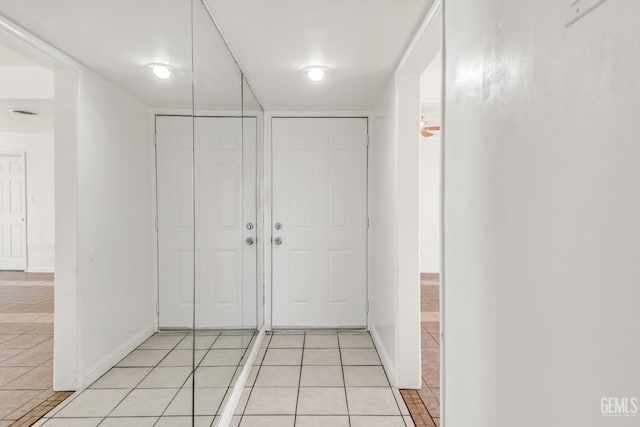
(224,191)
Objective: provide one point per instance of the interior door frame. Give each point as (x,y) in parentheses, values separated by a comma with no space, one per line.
(25,242)
(268,199)
(259,199)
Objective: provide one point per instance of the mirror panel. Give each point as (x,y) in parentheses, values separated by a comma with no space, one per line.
(169,60)
(225,185)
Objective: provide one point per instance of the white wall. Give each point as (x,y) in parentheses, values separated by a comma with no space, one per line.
(26,82)
(383,250)
(394,241)
(430,171)
(104,285)
(65,335)
(541,213)
(115,249)
(39,150)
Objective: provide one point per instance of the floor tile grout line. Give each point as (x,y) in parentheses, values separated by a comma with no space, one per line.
(11,357)
(62,404)
(2,386)
(141,380)
(266,350)
(390,387)
(344,380)
(192,375)
(295,413)
(37,397)
(232,378)
(152,368)
(256,378)
(42,406)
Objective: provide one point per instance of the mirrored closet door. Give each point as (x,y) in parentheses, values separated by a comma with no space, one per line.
(208,225)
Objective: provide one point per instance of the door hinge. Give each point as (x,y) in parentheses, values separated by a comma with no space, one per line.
(368,140)
(368,223)
(157,306)
(156,223)
(155,137)
(367,306)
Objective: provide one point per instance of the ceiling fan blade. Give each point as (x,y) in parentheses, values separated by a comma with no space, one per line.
(432,128)
(425,133)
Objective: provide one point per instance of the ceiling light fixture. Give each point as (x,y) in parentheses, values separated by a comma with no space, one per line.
(23,112)
(161,71)
(316,72)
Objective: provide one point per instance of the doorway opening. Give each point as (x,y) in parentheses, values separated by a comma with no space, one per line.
(430,233)
(27,240)
(27,230)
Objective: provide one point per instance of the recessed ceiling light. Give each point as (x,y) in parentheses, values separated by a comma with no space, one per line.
(161,71)
(316,72)
(23,112)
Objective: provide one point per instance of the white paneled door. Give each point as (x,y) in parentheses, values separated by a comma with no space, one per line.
(224,275)
(13,244)
(319,222)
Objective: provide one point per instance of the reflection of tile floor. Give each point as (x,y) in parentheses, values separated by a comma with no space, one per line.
(324,379)
(152,385)
(26,343)
(424,404)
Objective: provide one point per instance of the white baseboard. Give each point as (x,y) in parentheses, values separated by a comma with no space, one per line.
(389,365)
(110,360)
(40,269)
(234,399)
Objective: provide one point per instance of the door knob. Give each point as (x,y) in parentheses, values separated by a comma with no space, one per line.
(277,241)
(250,241)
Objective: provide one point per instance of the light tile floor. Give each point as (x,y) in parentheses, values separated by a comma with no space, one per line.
(319,379)
(26,343)
(152,386)
(313,378)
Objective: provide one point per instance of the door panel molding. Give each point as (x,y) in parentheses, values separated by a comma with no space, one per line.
(13,211)
(225,190)
(340,307)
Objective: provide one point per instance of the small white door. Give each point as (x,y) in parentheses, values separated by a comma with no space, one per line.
(225,202)
(319,222)
(13,242)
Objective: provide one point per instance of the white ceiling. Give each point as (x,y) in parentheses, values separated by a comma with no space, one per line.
(360,40)
(118,38)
